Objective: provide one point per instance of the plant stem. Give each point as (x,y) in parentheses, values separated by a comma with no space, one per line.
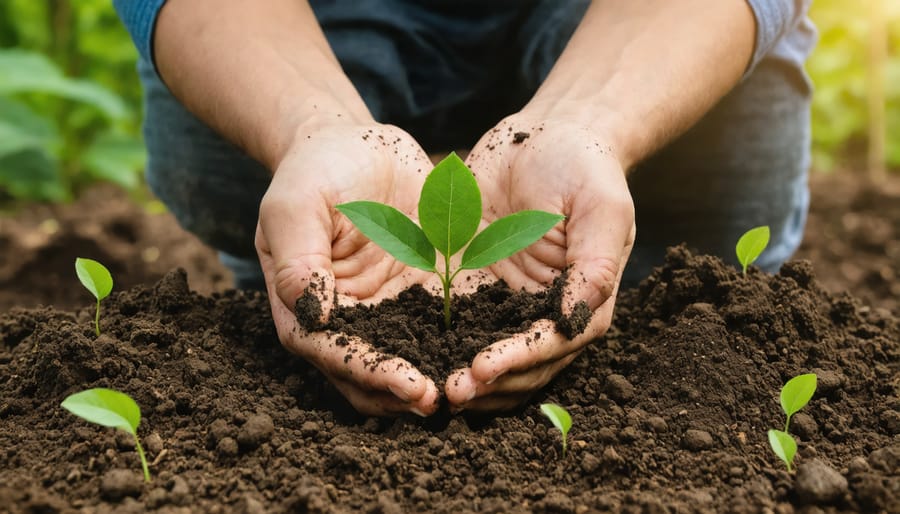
(446,279)
(137,444)
(97,319)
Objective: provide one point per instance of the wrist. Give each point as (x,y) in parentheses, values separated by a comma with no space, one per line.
(303,118)
(604,123)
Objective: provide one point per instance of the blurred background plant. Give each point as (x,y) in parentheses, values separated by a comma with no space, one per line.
(856,72)
(70,98)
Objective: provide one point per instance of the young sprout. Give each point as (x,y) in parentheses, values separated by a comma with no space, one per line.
(109,408)
(449,214)
(96,278)
(560,419)
(795,394)
(784,446)
(751,245)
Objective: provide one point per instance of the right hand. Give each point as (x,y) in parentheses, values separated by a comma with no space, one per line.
(304,242)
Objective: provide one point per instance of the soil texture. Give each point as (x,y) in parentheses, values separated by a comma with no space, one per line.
(670,410)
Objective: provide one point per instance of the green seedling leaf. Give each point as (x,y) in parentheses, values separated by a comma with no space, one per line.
(96,279)
(94,276)
(751,245)
(784,446)
(109,408)
(796,393)
(561,420)
(450,205)
(393,231)
(450,212)
(506,236)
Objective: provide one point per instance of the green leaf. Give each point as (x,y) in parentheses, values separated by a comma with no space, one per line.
(507,236)
(560,418)
(751,245)
(32,174)
(797,392)
(393,231)
(106,407)
(23,129)
(94,276)
(784,446)
(116,158)
(31,72)
(450,205)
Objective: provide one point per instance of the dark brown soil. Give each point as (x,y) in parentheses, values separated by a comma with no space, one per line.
(412,325)
(853,238)
(670,411)
(38,247)
(670,408)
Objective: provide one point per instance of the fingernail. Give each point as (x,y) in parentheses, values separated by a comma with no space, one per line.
(399,393)
(417,412)
(471,395)
(491,381)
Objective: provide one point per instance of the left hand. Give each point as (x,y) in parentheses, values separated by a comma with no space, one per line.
(560,167)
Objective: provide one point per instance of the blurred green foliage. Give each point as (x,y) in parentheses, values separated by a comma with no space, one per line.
(59,133)
(70,97)
(838,68)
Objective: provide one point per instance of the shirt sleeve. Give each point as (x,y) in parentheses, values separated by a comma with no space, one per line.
(139,17)
(774,20)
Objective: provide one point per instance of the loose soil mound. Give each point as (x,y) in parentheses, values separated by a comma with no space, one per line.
(670,411)
(853,237)
(38,247)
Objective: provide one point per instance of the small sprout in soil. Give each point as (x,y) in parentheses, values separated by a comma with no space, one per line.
(795,394)
(751,245)
(784,446)
(109,408)
(560,419)
(449,214)
(96,278)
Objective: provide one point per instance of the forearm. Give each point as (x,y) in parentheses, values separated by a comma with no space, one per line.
(256,72)
(640,72)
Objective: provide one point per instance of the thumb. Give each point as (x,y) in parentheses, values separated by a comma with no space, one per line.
(295,254)
(598,243)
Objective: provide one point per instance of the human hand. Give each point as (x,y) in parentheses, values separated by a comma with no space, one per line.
(563,168)
(306,247)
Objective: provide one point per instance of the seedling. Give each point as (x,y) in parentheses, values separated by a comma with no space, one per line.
(560,419)
(96,278)
(109,408)
(751,245)
(449,214)
(795,394)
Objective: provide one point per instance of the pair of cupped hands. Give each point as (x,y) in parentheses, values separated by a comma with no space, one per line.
(305,244)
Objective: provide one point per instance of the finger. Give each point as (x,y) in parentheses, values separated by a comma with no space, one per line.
(540,344)
(462,388)
(599,234)
(297,242)
(349,358)
(380,403)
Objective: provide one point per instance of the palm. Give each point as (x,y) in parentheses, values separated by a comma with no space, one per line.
(305,245)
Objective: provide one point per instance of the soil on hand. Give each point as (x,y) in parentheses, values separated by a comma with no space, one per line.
(670,410)
(412,325)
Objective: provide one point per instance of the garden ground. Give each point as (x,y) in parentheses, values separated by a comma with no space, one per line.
(670,408)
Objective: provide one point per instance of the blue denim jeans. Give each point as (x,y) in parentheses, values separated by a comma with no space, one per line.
(447,74)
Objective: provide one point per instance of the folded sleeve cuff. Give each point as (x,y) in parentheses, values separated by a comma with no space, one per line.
(774,19)
(139,17)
